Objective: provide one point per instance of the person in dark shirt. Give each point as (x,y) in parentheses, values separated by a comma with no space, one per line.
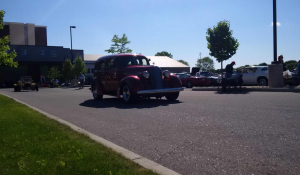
(229,70)
(280,60)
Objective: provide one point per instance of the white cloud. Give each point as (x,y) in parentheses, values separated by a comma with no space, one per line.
(278,24)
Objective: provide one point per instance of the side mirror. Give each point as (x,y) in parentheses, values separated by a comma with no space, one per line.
(149,59)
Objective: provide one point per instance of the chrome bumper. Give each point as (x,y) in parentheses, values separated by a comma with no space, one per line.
(160,91)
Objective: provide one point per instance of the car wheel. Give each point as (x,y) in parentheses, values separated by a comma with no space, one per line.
(262,82)
(95,93)
(128,96)
(16,89)
(189,84)
(37,88)
(172,96)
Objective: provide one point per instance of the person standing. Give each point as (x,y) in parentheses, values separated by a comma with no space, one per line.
(280,60)
(82,80)
(229,69)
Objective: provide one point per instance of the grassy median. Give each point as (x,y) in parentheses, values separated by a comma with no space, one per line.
(31,143)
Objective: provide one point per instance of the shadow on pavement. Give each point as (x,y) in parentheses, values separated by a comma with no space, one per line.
(233,92)
(118,103)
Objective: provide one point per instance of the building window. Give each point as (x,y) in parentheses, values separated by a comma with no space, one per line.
(24,52)
(53,53)
(42,52)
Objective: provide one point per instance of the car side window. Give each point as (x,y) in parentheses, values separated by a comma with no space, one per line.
(111,63)
(264,69)
(100,65)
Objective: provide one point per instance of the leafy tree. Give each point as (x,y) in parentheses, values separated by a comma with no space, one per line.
(53,73)
(79,66)
(164,53)
(119,45)
(6,57)
(263,64)
(67,70)
(183,62)
(205,64)
(220,42)
(291,64)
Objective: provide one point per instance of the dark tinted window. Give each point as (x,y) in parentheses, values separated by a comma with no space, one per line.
(100,65)
(111,63)
(132,60)
(264,69)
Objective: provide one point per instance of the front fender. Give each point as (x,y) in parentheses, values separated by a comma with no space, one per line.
(172,82)
(100,85)
(134,83)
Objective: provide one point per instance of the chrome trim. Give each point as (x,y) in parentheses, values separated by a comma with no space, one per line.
(158,91)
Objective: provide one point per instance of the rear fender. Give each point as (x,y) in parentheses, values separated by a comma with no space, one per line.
(133,82)
(100,85)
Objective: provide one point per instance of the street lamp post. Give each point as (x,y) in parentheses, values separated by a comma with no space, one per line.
(71,42)
(274,32)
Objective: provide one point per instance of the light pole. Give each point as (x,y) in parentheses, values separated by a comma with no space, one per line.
(274,32)
(71,42)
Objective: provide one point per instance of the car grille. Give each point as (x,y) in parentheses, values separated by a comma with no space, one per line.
(156,78)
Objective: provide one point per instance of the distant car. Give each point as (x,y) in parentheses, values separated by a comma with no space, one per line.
(130,76)
(189,81)
(213,79)
(255,75)
(25,83)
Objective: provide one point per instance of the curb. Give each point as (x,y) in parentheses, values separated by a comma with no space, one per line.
(142,161)
(251,89)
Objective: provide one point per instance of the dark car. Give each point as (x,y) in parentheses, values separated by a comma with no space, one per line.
(25,83)
(190,81)
(130,76)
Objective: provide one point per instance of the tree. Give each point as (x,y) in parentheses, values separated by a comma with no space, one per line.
(205,64)
(67,70)
(263,64)
(6,57)
(119,45)
(183,62)
(220,42)
(79,66)
(53,73)
(291,64)
(164,53)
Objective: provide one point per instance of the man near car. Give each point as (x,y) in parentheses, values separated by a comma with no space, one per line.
(82,80)
(280,60)
(229,69)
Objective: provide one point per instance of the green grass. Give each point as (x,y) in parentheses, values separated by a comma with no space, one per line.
(31,143)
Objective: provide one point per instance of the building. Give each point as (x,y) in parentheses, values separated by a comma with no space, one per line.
(35,57)
(164,62)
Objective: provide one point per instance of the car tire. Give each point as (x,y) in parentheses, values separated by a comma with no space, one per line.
(189,84)
(37,88)
(128,95)
(16,89)
(172,96)
(262,82)
(95,93)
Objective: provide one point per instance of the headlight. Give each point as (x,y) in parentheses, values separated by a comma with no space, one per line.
(167,73)
(146,74)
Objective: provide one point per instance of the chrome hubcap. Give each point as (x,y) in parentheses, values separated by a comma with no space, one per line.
(262,82)
(126,93)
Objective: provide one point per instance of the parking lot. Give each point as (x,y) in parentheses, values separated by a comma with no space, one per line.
(201,133)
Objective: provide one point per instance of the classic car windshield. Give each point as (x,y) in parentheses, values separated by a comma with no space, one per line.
(133,60)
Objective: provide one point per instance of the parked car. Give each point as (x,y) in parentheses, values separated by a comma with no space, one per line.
(255,75)
(25,83)
(189,81)
(130,76)
(213,79)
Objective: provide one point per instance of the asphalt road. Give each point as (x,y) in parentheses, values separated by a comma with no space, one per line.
(201,133)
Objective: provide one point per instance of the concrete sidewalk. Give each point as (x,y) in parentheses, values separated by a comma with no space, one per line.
(252,88)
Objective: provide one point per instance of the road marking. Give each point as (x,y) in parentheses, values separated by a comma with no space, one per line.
(142,161)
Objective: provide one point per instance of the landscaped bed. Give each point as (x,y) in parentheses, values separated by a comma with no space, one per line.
(31,143)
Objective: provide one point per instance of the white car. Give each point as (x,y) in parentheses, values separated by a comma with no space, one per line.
(255,75)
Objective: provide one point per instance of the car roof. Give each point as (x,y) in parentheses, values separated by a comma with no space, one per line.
(119,55)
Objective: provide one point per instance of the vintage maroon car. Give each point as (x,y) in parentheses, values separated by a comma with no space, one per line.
(190,81)
(130,76)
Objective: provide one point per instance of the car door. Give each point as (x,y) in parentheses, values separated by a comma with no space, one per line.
(100,70)
(112,83)
(249,76)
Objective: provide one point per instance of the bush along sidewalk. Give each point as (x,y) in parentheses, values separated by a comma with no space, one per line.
(31,143)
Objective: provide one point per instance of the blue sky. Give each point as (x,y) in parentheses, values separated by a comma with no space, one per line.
(176,26)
